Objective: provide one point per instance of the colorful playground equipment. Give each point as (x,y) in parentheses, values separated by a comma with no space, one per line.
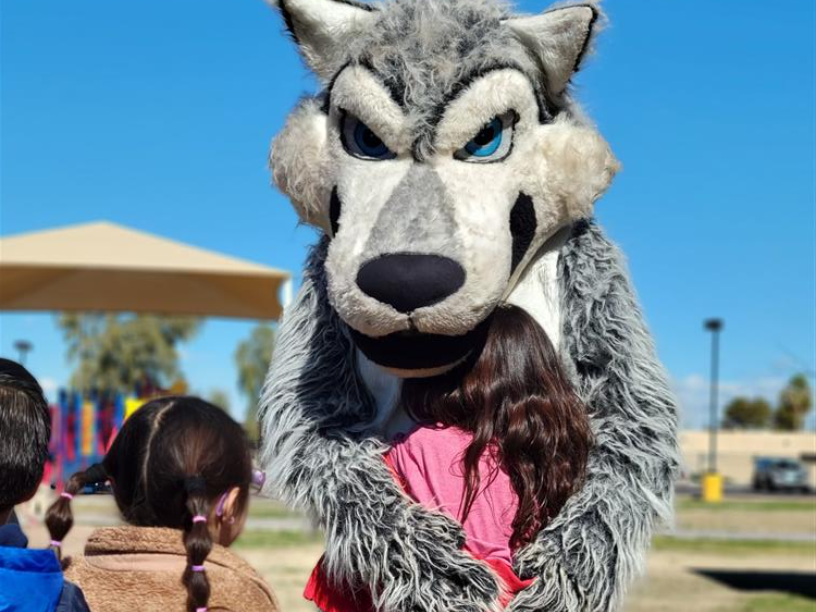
(84,425)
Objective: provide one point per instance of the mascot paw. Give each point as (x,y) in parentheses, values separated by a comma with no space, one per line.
(459,583)
(552,591)
(428,571)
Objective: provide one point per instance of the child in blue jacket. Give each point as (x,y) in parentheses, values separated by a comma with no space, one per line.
(30,580)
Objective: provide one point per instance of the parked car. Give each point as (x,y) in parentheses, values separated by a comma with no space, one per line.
(779,474)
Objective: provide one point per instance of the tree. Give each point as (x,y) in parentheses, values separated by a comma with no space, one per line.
(218,397)
(115,352)
(794,403)
(744,413)
(252,358)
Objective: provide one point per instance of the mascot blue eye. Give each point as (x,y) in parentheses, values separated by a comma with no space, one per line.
(493,142)
(360,140)
(487,141)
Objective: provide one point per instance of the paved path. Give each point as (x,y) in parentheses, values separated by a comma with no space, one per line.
(303,525)
(746,493)
(706,534)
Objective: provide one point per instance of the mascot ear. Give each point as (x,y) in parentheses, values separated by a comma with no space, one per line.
(322,29)
(559,38)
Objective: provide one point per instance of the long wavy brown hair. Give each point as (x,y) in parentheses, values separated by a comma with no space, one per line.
(519,405)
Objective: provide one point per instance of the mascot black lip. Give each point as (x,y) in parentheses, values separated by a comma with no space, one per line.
(411,351)
(451,171)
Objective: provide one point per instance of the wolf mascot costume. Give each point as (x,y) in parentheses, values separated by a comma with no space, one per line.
(449,171)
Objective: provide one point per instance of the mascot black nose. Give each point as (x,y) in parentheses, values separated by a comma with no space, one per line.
(408,281)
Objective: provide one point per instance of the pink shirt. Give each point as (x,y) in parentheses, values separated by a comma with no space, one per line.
(429,461)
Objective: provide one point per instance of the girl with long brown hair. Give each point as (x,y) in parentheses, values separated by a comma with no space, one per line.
(180,470)
(500,444)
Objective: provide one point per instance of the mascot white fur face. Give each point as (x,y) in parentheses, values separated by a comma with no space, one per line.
(435,161)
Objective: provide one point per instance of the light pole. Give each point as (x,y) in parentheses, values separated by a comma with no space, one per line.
(23,347)
(712,485)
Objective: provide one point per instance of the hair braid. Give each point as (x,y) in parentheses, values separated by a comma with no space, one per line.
(59,519)
(198,543)
(167,465)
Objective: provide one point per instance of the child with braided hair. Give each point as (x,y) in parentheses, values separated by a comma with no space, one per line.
(180,470)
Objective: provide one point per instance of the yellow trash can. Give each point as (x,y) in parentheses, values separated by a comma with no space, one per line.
(712,485)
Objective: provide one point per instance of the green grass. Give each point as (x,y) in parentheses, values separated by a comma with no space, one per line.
(750,506)
(271,511)
(277,539)
(778,603)
(732,547)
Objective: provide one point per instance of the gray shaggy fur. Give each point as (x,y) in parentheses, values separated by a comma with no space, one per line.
(423,50)
(315,412)
(594,548)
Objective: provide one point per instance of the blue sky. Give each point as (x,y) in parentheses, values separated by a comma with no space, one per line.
(158,115)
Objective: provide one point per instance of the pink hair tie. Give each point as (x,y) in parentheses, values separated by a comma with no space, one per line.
(56,543)
(201,609)
(67,495)
(197,568)
(258,478)
(199,519)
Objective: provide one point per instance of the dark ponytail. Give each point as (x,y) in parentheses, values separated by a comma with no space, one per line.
(198,543)
(59,519)
(168,465)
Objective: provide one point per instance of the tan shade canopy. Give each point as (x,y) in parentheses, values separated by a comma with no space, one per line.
(107,267)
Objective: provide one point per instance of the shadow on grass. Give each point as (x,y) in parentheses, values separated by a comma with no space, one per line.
(796,583)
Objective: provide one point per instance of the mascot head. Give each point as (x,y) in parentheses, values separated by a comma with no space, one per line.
(441,156)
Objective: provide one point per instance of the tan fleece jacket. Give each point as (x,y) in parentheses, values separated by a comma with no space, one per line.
(138,569)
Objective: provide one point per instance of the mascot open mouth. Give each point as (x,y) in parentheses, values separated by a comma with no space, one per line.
(412,350)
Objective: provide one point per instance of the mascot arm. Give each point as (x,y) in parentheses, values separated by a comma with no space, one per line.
(588,555)
(317,455)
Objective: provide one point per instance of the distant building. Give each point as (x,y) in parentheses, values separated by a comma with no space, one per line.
(738,449)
